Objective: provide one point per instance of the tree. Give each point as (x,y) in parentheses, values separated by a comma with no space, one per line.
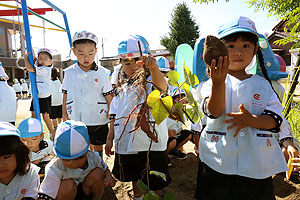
(183,29)
(287,10)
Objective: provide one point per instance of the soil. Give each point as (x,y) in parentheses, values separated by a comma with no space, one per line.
(183,173)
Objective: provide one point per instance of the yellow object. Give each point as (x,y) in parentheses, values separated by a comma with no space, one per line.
(288,173)
(11,22)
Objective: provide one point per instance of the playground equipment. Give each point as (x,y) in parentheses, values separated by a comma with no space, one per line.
(25,11)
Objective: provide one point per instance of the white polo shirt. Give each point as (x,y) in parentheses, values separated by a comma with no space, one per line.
(85,95)
(55,171)
(253,153)
(46,149)
(174,125)
(8,103)
(43,81)
(17,87)
(132,143)
(24,87)
(22,186)
(56,95)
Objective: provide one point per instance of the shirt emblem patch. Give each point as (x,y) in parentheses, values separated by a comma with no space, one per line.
(256,97)
(23,191)
(215,138)
(96,80)
(269,143)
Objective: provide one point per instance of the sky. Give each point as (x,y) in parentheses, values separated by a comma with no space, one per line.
(113,20)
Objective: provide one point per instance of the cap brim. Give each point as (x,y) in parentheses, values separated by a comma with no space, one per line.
(72,157)
(30,135)
(236,30)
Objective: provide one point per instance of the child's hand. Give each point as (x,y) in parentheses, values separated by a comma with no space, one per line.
(27,64)
(109,180)
(296,164)
(291,149)
(239,120)
(218,72)
(108,147)
(149,62)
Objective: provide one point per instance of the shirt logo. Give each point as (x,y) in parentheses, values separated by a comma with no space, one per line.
(256,96)
(215,138)
(23,191)
(96,80)
(269,143)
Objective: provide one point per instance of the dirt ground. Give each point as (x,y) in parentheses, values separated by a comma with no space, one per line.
(183,173)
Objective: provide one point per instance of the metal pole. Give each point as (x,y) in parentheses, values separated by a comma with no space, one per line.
(30,57)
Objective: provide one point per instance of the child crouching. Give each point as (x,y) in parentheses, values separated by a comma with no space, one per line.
(32,136)
(75,172)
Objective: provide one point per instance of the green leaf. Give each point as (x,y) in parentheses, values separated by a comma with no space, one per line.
(151,196)
(188,94)
(178,113)
(142,186)
(159,107)
(159,174)
(169,196)
(192,115)
(173,77)
(190,79)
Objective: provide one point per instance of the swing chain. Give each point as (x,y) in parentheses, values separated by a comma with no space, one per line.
(44,33)
(15,39)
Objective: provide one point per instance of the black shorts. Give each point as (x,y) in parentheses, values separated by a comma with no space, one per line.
(56,112)
(133,167)
(98,134)
(80,194)
(18,92)
(212,185)
(24,92)
(45,105)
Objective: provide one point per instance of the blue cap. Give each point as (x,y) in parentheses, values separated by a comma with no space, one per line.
(7,129)
(129,48)
(30,127)
(239,24)
(71,140)
(163,63)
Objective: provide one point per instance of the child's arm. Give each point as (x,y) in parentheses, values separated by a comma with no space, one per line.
(110,138)
(216,100)
(27,64)
(64,108)
(108,99)
(290,148)
(109,180)
(157,77)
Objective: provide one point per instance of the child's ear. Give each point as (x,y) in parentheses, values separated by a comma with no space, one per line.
(73,51)
(42,134)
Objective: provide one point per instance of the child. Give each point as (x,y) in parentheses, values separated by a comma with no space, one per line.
(238,152)
(32,136)
(18,177)
(43,84)
(177,136)
(8,101)
(131,148)
(56,100)
(17,88)
(24,88)
(87,91)
(75,172)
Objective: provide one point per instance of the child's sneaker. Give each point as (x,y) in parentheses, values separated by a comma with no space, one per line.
(178,154)
(169,162)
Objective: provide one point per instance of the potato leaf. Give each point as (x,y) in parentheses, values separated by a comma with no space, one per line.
(159,107)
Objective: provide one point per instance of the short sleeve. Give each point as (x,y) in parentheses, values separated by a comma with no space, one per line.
(64,85)
(50,184)
(113,107)
(33,184)
(107,87)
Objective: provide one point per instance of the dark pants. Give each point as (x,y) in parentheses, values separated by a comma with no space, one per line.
(212,185)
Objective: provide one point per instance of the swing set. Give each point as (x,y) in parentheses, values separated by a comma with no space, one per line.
(21,9)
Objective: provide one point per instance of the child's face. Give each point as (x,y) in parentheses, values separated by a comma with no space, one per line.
(129,66)
(240,54)
(85,53)
(75,163)
(8,164)
(33,142)
(44,59)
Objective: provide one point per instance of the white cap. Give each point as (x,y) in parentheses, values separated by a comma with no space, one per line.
(163,63)
(45,50)
(85,35)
